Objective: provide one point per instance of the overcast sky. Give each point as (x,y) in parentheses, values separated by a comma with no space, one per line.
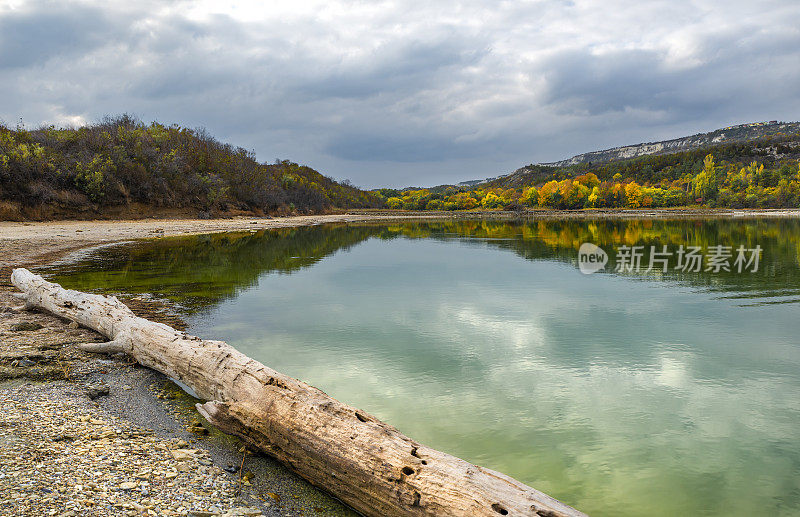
(406,93)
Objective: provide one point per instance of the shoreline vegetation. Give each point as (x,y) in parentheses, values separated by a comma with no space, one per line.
(728,184)
(122,168)
(751,170)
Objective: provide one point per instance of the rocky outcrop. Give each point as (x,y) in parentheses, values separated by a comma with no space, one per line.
(740,133)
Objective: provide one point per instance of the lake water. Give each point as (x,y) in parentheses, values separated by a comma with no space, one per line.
(621,393)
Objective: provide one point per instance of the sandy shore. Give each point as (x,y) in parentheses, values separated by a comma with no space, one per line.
(26,243)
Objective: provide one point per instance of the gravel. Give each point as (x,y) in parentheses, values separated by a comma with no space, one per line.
(82,434)
(62,455)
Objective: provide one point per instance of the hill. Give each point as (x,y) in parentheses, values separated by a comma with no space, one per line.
(123,166)
(767,143)
(746,166)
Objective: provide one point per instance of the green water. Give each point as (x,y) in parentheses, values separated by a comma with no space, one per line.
(621,394)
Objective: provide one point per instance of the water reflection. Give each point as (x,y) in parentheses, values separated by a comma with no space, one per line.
(622,394)
(200,271)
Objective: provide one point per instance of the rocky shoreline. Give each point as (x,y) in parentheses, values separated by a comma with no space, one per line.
(82,434)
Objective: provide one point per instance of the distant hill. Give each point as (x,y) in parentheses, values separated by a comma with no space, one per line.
(730,134)
(768,142)
(121,167)
(746,166)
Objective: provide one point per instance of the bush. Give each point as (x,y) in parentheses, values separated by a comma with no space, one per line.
(121,160)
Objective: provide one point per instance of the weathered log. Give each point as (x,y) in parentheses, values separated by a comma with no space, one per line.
(366,463)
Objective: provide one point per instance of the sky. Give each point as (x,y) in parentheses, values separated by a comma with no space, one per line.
(406,93)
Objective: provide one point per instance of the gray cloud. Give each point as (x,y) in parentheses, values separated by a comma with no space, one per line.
(407,93)
(402,148)
(33,36)
(581,82)
(404,68)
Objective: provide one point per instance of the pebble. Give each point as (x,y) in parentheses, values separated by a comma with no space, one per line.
(26,326)
(94,391)
(61,455)
(183,454)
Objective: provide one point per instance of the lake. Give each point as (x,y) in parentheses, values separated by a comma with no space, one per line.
(631,392)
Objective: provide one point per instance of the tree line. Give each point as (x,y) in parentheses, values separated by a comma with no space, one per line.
(121,160)
(764,174)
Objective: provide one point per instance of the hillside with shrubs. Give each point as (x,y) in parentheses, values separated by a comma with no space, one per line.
(762,173)
(121,167)
(120,162)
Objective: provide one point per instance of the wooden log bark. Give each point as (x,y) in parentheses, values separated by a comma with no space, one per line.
(366,463)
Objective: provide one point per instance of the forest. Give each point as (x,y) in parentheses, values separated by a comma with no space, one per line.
(764,173)
(120,161)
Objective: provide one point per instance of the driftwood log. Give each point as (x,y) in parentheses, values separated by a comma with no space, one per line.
(364,462)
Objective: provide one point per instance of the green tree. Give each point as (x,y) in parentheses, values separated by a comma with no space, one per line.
(705,183)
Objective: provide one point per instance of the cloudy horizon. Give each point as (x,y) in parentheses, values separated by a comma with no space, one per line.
(406,93)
